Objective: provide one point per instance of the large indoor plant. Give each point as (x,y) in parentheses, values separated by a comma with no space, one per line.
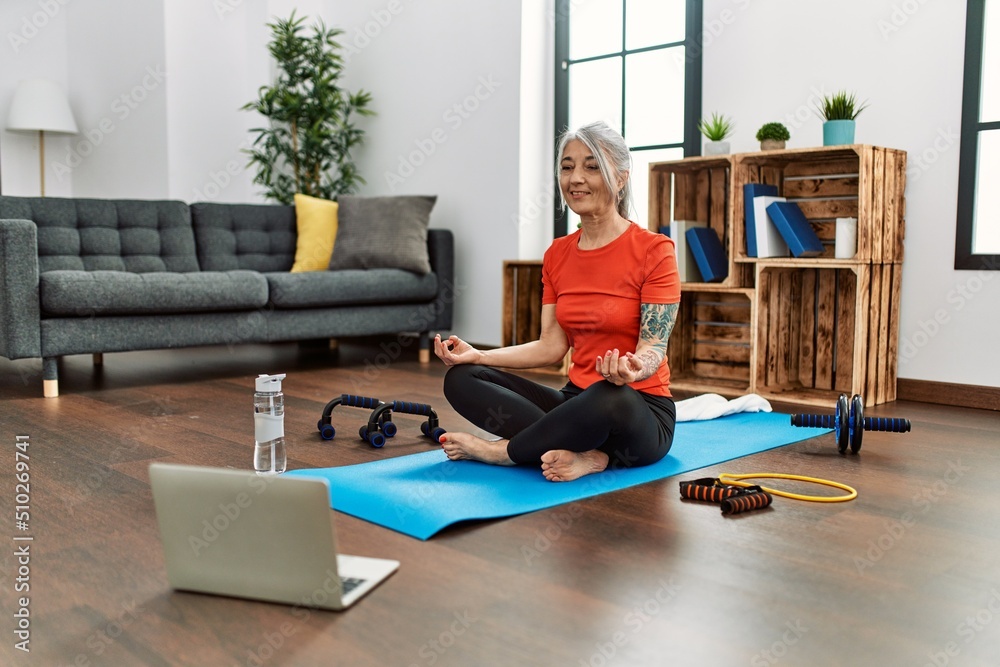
(839,111)
(716,129)
(306,145)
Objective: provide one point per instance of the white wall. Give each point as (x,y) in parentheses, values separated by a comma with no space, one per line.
(32,45)
(444,76)
(216,56)
(109,57)
(118,86)
(767,60)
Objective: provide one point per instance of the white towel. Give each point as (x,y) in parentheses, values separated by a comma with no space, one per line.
(710,406)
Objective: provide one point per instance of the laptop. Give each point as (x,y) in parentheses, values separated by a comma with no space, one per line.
(236,533)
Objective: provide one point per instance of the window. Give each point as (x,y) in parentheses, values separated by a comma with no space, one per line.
(977,238)
(635,64)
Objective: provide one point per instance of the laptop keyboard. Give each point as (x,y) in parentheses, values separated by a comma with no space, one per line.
(348,584)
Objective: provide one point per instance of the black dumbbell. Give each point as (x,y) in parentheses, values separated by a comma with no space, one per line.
(849,423)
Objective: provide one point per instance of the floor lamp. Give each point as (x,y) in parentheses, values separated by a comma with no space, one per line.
(40,106)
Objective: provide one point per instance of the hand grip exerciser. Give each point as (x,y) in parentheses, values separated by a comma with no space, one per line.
(731,499)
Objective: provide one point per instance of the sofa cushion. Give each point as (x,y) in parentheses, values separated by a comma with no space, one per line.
(335,288)
(383,233)
(85,293)
(316,225)
(107,234)
(244,236)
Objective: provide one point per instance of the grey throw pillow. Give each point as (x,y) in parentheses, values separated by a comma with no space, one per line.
(383,233)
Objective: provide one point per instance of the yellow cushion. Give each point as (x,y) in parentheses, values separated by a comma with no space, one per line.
(316,220)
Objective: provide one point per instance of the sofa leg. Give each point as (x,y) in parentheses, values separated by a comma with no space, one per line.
(424,355)
(98,359)
(334,344)
(50,377)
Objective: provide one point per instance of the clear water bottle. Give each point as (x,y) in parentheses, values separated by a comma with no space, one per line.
(269,456)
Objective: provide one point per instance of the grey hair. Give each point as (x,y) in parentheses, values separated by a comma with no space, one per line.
(613,159)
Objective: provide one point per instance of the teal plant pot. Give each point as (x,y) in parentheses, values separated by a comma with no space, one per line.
(838,132)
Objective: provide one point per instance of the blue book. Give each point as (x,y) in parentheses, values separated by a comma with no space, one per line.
(795,229)
(751,190)
(708,254)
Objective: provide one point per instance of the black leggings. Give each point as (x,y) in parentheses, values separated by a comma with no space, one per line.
(632,428)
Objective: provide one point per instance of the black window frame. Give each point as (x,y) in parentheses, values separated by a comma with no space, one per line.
(965,256)
(692,83)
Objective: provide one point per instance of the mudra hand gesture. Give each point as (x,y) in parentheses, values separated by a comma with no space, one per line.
(454,351)
(619,369)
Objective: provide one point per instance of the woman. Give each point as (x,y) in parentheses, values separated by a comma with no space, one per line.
(610,292)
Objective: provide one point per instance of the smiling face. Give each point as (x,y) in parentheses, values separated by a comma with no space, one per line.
(581,182)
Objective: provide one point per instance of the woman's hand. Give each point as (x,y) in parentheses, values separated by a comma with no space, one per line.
(618,369)
(455,351)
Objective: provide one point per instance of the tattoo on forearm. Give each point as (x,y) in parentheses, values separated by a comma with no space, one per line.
(651,360)
(655,325)
(657,321)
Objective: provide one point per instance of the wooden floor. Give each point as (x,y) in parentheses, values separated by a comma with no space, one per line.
(907,574)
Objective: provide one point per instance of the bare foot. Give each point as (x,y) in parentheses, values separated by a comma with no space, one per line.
(560,465)
(467,446)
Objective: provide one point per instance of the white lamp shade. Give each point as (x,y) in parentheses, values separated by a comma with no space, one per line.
(40,105)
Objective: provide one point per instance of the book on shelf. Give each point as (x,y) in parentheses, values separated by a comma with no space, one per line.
(795,229)
(686,265)
(709,255)
(846,239)
(751,190)
(770,243)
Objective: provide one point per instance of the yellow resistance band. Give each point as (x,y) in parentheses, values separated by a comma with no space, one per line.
(727,478)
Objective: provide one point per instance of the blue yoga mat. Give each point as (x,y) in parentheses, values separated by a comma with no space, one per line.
(421,494)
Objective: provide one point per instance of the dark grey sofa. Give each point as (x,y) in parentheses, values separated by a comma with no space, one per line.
(89,276)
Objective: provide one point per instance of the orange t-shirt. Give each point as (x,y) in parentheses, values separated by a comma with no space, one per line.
(597,294)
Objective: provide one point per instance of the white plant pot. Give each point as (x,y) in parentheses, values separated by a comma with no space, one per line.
(716,148)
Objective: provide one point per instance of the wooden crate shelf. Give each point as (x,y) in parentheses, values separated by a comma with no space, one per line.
(825,331)
(818,326)
(697,189)
(711,346)
(522,307)
(522,301)
(860,181)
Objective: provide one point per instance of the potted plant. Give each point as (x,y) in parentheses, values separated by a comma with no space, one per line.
(716,129)
(306,146)
(839,111)
(772,136)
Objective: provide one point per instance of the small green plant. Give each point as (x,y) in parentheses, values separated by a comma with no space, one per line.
(773,132)
(841,106)
(716,128)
